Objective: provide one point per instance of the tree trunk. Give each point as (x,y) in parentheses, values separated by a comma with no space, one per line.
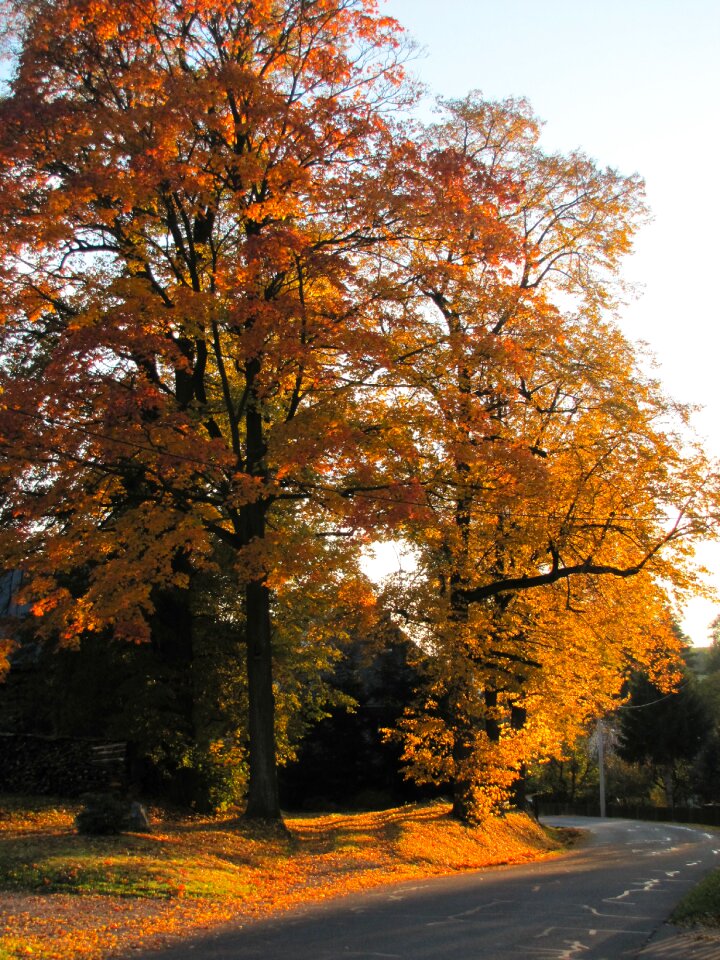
(668,785)
(263,795)
(263,800)
(463,807)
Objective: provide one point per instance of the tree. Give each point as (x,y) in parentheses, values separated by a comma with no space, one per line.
(705,663)
(549,459)
(242,307)
(712,657)
(185,191)
(664,731)
(345,759)
(571,778)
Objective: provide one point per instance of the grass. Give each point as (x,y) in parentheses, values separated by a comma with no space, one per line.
(63,867)
(70,897)
(702,905)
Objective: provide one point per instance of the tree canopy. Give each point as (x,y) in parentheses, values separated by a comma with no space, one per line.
(253,316)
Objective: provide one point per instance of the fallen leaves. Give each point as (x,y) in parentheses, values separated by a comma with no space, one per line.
(195,875)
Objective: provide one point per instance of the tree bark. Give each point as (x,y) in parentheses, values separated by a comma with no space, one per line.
(263,795)
(668,785)
(263,800)
(463,806)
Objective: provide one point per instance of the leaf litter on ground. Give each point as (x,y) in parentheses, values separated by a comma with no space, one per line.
(64,896)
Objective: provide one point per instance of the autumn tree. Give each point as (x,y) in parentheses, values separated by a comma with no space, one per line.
(243,308)
(185,192)
(549,460)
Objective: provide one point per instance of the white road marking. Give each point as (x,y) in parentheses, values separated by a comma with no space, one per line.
(458,917)
(401,895)
(614,916)
(573,949)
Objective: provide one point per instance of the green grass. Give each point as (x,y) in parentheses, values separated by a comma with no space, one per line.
(702,904)
(113,866)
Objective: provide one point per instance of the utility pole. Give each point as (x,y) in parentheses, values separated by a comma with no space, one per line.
(600,734)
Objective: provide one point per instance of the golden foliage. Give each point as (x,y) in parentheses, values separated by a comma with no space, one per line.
(242,303)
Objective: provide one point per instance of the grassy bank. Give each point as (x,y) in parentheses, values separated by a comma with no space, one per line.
(65,896)
(701,906)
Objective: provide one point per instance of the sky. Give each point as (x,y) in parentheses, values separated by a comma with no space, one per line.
(635,84)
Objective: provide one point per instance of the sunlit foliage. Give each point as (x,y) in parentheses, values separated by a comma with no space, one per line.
(251,318)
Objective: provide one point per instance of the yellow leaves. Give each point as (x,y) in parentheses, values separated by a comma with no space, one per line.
(514,682)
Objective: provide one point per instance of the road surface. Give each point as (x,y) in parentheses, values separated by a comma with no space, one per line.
(606,900)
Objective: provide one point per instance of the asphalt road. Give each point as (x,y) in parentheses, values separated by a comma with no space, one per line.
(608,899)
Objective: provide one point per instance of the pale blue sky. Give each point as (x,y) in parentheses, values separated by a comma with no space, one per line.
(636,85)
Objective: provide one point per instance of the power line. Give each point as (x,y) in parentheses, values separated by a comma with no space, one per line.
(651,703)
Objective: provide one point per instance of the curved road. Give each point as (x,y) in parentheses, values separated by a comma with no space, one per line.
(606,900)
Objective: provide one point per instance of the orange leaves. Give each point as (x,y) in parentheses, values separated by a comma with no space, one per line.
(148,893)
(245,309)
(50,597)
(246,489)
(7,646)
(198,237)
